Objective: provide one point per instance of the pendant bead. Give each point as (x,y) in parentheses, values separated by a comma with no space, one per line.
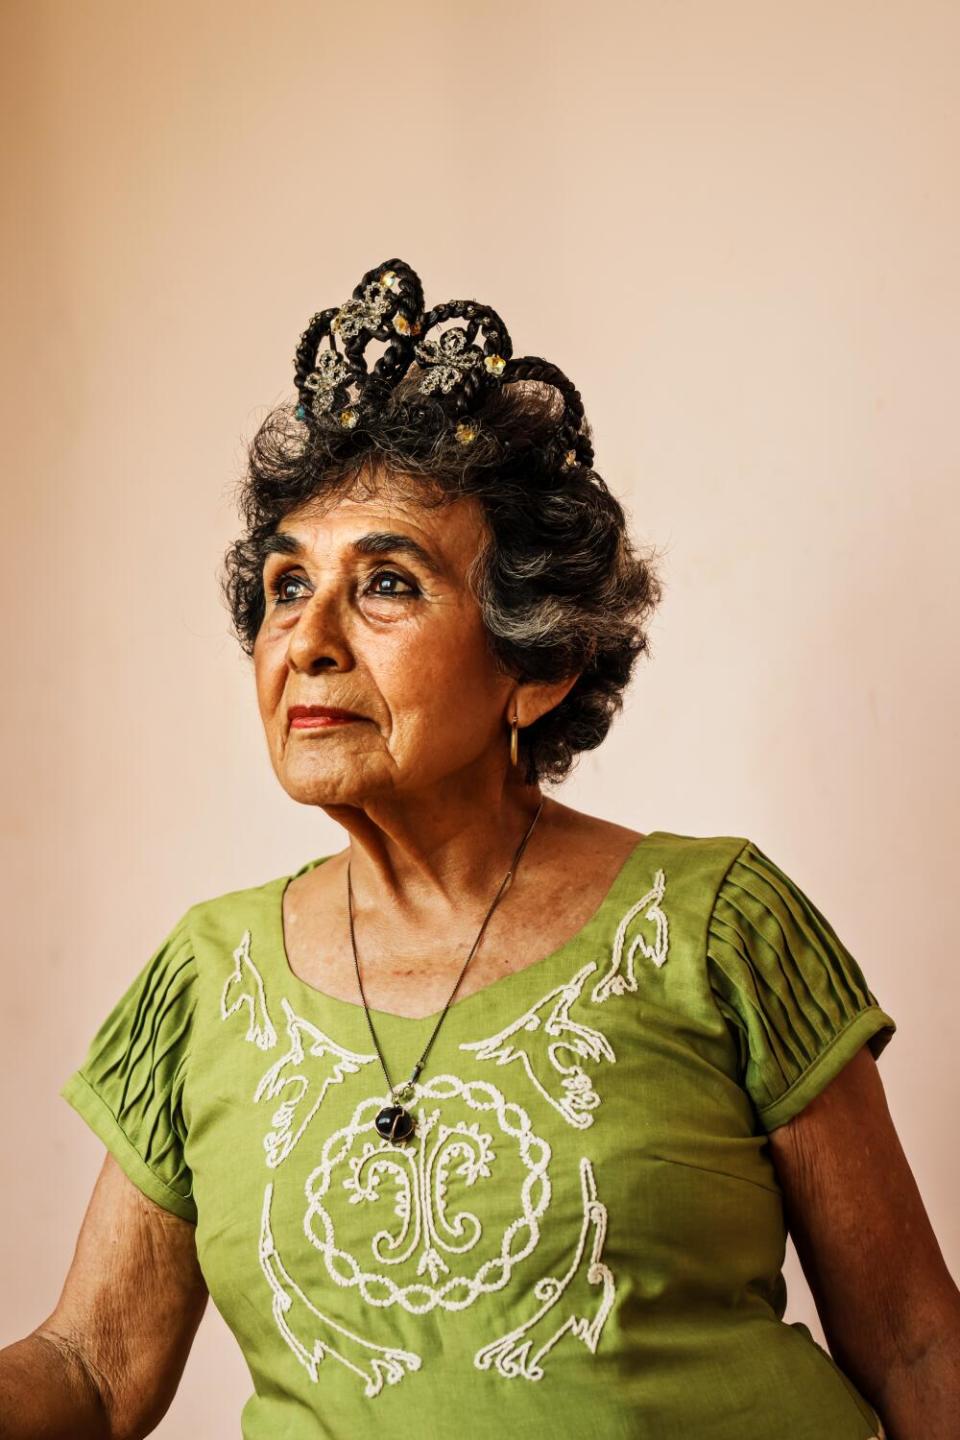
(394,1123)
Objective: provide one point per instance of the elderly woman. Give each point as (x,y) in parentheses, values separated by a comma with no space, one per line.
(498,1116)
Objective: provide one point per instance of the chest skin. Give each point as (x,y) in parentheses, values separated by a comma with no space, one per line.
(410,961)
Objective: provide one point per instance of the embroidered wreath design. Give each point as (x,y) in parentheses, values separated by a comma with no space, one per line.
(428,1231)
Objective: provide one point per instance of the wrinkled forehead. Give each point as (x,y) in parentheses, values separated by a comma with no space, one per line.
(450,527)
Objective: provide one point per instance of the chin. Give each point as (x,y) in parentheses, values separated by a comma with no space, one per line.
(323,783)
(318,789)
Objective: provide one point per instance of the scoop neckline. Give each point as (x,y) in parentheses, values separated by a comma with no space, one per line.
(316,995)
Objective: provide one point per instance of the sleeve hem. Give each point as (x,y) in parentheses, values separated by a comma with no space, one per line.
(78,1092)
(828,1064)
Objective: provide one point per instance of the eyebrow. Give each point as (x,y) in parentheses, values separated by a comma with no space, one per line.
(376,542)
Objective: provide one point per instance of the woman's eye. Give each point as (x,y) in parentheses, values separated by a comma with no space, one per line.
(391,575)
(277,588)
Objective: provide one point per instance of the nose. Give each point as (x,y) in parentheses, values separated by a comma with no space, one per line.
(318,640)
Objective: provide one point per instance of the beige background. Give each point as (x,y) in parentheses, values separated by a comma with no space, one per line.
(735,225)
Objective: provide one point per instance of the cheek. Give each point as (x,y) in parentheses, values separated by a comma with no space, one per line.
(440,671)
(269,670)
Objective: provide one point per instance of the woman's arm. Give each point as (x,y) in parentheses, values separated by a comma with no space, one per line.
(46,1390)
(106,1363)
(889,1307)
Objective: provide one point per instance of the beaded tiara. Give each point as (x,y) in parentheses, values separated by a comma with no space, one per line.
(456,369)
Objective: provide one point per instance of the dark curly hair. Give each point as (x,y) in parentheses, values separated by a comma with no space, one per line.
(560,586)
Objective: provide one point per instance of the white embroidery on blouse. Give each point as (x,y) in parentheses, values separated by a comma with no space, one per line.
(620,977)
(312,1335)
(327,1065)
(567,1087)
(245,987)
(421,1186)
(567,1300)
(418,1178)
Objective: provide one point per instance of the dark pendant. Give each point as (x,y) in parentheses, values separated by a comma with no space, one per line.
(394,1123)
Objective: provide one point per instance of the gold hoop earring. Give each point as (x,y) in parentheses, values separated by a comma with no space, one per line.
(514,744)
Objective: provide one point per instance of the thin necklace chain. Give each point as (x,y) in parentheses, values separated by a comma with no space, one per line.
(406,1088)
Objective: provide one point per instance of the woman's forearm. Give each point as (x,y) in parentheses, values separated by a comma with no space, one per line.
(921,1400)
(47,1392)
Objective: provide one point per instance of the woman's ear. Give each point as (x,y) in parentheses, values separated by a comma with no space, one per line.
(535,698)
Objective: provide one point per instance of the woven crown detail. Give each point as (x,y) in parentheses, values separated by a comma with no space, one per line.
(460,363)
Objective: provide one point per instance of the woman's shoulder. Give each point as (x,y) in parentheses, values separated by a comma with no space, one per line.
(226,907)
(692,869)
(703,858)
(680,844)
(589,830)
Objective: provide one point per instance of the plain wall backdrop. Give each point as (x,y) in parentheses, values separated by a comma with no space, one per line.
(734,225)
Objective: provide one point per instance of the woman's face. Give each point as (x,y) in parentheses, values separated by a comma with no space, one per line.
(356,618)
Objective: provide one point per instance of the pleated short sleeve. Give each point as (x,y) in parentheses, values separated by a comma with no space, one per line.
(797,1000)
(129,1088)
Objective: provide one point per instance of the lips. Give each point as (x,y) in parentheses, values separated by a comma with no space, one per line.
(306,716)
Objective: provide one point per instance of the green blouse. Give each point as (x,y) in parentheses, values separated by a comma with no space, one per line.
(586,1228)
